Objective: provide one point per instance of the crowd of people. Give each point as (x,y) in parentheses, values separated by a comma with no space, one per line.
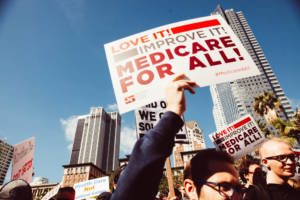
(209,175)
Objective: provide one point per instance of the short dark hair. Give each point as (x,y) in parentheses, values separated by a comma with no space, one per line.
(245,164)
(118,172)
(67,189)
(197,168)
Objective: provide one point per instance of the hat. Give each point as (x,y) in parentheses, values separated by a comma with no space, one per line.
(16,190)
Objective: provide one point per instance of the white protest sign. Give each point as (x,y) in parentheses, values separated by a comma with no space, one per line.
(148,116)
(297,174)
(22,163)
(205,49)
(51,193)
(91,188)
(239,138)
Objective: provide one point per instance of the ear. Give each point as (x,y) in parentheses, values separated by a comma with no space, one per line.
(265,162)
(190,189)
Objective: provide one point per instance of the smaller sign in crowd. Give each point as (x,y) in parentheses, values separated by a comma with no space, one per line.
(239,138)
(91,188)
(148,116)
(22,163)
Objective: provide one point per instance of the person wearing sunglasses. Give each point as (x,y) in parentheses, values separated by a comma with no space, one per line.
(211,175)
(280,161)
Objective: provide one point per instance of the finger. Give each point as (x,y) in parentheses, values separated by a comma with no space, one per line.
(187,85)
(179,77)
(190,89)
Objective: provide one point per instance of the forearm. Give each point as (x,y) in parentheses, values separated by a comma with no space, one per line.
(142,175)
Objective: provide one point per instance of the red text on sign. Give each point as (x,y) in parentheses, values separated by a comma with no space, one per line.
(130,43)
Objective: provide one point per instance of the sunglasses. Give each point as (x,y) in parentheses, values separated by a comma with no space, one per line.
(226,189)
(284,158)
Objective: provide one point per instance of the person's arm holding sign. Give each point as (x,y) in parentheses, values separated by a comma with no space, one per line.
(141,177)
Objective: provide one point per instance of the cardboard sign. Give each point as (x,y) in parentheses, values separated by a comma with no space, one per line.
(239,138)
(205,49)
(148,116)
(297,173)
(91,188)
(51,193)
(22,163)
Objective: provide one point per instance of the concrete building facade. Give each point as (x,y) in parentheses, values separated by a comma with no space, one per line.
(235,99)
(80,172)
(6,154)
(195,142)
(97,139)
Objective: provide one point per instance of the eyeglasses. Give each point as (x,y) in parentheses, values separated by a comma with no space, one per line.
(225,189)
(283,158)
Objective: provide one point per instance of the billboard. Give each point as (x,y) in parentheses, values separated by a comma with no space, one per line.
(204,49)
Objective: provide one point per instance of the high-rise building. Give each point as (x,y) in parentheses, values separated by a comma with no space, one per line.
(6,154)
(235,99)
(195,141)
(97,139)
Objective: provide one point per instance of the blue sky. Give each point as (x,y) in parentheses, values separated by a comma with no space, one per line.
(53,66)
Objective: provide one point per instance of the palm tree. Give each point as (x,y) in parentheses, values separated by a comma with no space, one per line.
(287,130)
(263,127)
(266,105)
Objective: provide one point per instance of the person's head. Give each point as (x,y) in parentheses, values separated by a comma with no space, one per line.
(15,190)
(104,196)
(117,173)
(250,170)
(211,174)
(279,159)
(66,193)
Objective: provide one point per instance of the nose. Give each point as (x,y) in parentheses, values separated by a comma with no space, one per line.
(290,161)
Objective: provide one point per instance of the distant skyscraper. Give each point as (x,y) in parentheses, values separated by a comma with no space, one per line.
(234,99)
(6,154)
(195,142)
(97,139)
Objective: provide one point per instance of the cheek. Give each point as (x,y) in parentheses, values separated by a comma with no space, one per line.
(276,166)
(208,193)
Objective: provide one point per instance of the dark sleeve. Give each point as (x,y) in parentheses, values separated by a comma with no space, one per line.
(250,193)
(142,175)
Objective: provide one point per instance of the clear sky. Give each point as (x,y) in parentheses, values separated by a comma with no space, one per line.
(53,66)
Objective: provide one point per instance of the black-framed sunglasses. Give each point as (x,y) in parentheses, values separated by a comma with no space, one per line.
(283,158)
(226,189)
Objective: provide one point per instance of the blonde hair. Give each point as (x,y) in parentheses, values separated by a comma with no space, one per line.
(273,139)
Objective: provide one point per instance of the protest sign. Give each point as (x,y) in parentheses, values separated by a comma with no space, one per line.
(148,116)
(22,163)
(205,49)
(51,193)
(239,138)
(91,188)
(297,174)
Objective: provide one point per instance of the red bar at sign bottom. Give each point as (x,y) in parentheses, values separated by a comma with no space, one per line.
(244,121)
(194,26)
